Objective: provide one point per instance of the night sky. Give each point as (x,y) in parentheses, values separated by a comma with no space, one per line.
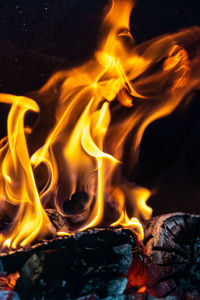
(39,37)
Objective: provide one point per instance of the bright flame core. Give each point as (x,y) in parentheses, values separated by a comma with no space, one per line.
(88,141)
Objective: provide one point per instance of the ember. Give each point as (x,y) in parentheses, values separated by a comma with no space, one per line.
(67,200)
(8,282)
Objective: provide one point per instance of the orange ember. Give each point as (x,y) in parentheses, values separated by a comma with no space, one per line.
(8,282)
(142,290)
(102,110)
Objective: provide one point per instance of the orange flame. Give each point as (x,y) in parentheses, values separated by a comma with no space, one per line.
(87,143)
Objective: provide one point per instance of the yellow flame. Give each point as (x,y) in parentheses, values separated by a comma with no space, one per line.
(19,186)
(92,149)
(139,197)
(133,222)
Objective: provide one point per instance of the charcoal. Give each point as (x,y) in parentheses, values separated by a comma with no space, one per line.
(89,297)
(111,287)
(9,295)
(136,297)
(106,286)
(173,243)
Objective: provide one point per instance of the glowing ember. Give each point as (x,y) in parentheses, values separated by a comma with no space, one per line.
(8,282)
(103,109)
(142,290)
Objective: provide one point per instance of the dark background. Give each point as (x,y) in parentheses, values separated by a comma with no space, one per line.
(38,37)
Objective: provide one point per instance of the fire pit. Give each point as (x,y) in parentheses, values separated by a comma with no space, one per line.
(72,223)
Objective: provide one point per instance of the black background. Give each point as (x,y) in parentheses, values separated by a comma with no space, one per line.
(39,37)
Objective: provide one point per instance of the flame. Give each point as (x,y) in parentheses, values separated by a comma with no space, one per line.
(139,196)
(17,183)
(102,110)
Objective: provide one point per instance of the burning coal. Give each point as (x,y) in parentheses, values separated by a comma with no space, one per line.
(103,108)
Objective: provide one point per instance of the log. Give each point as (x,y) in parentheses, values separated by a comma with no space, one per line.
(97,261)
(111,263)
(13,260)
(173,242)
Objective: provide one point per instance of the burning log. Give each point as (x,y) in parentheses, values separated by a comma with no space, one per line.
(97,259)
(172,242)
(105,262)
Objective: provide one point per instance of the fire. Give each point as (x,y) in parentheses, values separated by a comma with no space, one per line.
(103,109)
(17,183)
(139,196)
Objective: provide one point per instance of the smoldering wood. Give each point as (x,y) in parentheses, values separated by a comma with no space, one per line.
(97,260)
(78,262)
(104,287)
(95,263)
(13,260)
(173,242)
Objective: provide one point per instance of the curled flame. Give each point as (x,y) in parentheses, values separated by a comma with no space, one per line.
(17,184)
(103,108)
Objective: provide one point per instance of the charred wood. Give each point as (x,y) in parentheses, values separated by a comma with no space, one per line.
(173,243)
(59,222)
(97,260)
(104,287)
(13,261)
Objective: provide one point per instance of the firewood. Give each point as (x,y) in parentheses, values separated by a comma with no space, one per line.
(96,260)
(13,260)
(173,242)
